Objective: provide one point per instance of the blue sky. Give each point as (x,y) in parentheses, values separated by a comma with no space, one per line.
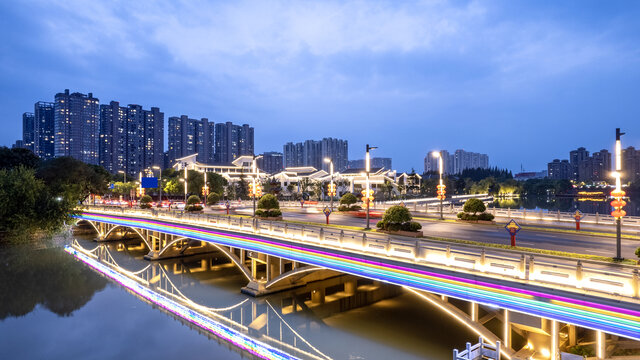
(524,82)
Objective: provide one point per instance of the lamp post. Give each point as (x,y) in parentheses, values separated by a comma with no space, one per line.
(618,203)
(368,186)
(160,186)
(184,181)
(255,171)
(331,191)
(124,177)
(437,154)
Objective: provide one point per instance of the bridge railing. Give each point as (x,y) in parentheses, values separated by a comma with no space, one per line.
(601,219)
(572,274)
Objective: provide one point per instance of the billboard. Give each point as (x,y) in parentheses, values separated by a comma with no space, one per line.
(149,182)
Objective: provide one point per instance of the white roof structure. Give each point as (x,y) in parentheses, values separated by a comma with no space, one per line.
(240,167)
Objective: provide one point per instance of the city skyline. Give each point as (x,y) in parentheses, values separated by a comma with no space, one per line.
(455,75)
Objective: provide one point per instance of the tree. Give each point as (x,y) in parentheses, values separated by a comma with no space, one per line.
(174,187)
(474,206)
(27,205)
(317,189)
(213,198)
(12,158)
(72,178)
(193,203)
(268,202)
(195,181)
(268,206)
(216,182)
(396,218)
(387,189)
(242,189)
(145,202)
(348,199)
(305,183)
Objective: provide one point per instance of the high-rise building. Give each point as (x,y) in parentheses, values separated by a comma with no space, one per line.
(630,164)
(575,158)
(337,150)
(232,141)
(76,122)
(131,138)
(28,131)
(293,154)
(559,170)
(44,125)
(469,160)
(190,136)
(313,153)
(376,162)
(431,162)
(270,162)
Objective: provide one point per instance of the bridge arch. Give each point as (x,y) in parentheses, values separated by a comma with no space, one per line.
(293,272)
(90,223)
(143,238)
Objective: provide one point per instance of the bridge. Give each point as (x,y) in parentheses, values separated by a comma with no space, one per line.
(275,255)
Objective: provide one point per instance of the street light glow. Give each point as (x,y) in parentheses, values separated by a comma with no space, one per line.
(436,154)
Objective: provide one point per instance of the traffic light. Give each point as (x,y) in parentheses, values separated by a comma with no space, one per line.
(441,192)
(331,189)
(366,196)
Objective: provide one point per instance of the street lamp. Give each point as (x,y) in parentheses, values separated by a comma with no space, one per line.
(124,177)
(182,180)
(331,191)
(436,154)
(618,203)
(367,165)
(255,171)
(160,179)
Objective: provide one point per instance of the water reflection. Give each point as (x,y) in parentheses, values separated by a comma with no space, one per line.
(354,318)
(47,277)
(564,204)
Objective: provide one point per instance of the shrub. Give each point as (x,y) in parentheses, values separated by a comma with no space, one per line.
(460,215)
(474,206)
(343,208)
(268,202)
(268,213)
(193,199)
(397,214)
(485,216)
(145,202)
(348,199)
(355,208)
(638,252)
(213,198)
(193,208)
(398,218)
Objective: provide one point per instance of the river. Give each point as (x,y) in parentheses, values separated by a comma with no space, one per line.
(55,307)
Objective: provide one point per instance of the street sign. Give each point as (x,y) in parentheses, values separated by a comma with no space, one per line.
(327,212)
(149,182)
(301,202)
(112,185)
(513,227)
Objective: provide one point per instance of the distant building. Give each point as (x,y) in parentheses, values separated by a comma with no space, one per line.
(76,122)
(431,162)
(560,170)
(312,153)
(28,131)
(576,157)
(191,136)
(271,162)
(376,162)
(44,129)
(18,145)
(131,138)
(531,175)
(587,168)
(469,160)
(232,141)
(630,164)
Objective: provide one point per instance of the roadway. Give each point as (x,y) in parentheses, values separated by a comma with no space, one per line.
(496,234)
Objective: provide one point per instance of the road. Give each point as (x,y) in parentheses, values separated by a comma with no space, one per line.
(559,241)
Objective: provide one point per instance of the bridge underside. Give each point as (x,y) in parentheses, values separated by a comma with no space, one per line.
(265,274)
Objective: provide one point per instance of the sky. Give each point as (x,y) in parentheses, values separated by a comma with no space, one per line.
(524,82)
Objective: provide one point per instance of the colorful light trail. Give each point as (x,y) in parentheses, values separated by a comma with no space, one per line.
(587,313)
